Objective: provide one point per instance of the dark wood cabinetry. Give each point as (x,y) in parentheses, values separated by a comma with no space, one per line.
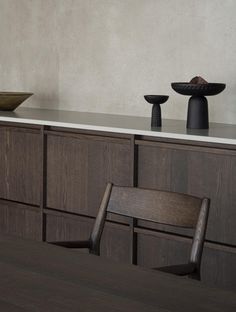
(79,167)
(53,179)
(19,164)
(218,264)
(203,172)
(200,171)
(19,219)
(115,239)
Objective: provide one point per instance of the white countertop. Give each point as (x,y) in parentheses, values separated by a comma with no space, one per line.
(173,129)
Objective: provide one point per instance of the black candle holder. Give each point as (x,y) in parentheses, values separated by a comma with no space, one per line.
(197,117)
(156,100)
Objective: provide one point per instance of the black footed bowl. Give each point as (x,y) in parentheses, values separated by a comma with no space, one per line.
(192,89)
(156,99)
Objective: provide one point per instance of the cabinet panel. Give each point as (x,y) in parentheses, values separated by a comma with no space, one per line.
(114,242)
(20,220)
(218,267)
(155,252)
(61,227)
(79,169)
(200,173)
(20,165)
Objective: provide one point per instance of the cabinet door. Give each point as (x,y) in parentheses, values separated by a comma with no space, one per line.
(79,169)
(196,171)
(20,220)
(218,266)
(20,165)
(60,227)
(115,238)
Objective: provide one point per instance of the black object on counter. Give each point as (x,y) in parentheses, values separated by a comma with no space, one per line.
(156,100)
(198,106)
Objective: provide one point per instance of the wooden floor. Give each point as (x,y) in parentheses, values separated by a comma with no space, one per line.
(40,277)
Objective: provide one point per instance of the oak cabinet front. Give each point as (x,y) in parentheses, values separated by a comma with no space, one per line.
(198,171)
(218,266)
(78,169)
(53,179)
(20,220)
(115,238)
(20,165)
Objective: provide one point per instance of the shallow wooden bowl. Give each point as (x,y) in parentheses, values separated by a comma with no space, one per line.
(11,100)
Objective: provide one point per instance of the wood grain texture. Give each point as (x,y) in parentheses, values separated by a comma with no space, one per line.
(201,174)
(158,252)
(200,169)
(78,171)
(20,220)
(62,227)
(217,270)
(10,307)
(156,206)
(20,161)
(46,293)
(95,283)
(114,242)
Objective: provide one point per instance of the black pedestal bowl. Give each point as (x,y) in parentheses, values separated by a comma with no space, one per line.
(198,106)
(156,100)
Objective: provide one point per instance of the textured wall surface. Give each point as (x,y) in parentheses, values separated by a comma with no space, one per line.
(104,55)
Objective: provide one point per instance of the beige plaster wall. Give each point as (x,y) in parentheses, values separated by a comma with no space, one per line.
(104,55)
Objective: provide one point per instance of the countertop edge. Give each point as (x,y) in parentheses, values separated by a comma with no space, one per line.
(81,126)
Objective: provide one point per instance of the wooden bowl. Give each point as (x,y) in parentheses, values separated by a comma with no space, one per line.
(11,100)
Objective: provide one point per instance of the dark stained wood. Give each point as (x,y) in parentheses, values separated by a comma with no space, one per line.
(183,238)
(196,168)
(20,161)
(21,220)
(78,171)
(223,146)
(182,146)
(19,125)
(217,269)
(63,227)
(58,295)
(115,239)
(77,281)
(43,181)
(168,208)
(133,221)
(156,206)
(3,168)
(56,130)
(133,241)
(198,173)
(85,137)
(96,233)
(115,243)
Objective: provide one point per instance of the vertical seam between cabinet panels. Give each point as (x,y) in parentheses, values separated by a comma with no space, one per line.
(43,181)
(133,221)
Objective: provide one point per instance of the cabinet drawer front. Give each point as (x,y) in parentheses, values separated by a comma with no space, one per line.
(115,238)
(196,173)
(20,220)
(218,267)
(20,165)
(78,171)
